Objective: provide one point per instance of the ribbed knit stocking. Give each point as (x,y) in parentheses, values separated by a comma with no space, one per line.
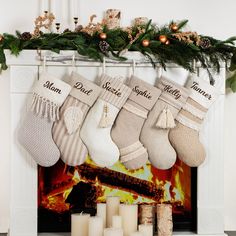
(66,131)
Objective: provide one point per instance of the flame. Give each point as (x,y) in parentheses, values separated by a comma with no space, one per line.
(169,181)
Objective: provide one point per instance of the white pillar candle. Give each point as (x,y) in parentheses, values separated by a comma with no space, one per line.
(75,5)
(113,232)
(102,212)
(117,222)
(79,224)
(136,234)
(45,5)
(113,204)
(129,214)
(95,227)
(146,229)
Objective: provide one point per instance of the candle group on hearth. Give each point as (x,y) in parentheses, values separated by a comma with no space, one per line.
(112,219)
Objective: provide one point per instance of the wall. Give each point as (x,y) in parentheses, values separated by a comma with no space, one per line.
(212,17)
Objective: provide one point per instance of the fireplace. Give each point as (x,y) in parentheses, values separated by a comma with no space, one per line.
(24,70)
(63,189)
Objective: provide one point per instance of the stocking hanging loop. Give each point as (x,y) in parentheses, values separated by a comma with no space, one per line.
(73,63)
(44,63)
(104,65)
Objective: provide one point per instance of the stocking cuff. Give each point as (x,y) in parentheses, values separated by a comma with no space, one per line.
(83,89)
(114,91)
(203,93)
(143,93)
(48,95)
(173,93)
(188,122)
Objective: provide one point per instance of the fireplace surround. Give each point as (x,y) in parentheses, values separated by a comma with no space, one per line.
(26,68)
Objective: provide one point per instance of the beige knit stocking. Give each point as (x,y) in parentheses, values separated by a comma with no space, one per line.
(185,136)
(35,133)
(126,130)
(154,134)
(66,131)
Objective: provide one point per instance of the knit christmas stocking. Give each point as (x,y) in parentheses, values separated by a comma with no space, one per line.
(66,131)
(154,134)
(126,130)
(185,136)
(35,133)
(96,129)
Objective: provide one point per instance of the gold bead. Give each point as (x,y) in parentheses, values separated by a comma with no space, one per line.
(1,38)
(145,42)
(174,27)
(167,42)
(163,38)
(103,36)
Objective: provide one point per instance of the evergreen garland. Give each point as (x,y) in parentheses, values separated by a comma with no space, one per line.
(181,49)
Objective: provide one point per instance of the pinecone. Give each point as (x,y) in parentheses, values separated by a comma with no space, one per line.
(104,46)
(67,31)
(78,28)
(205,43)
(26,36)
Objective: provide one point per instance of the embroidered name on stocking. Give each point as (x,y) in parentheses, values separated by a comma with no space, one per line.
(80,87)
(201,91)
(140,92)
(112,90)
(50,86)
(175,92)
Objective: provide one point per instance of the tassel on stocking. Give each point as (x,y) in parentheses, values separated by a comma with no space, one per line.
(165,120)
(105,121)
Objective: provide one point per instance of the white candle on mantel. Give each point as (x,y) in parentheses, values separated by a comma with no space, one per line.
(75,5)
(113,204)
(113,232)
(136,234)
(45,5)
(117,222)
(129,214)
(146,229)
(102,212)
(79,224)
(95,226)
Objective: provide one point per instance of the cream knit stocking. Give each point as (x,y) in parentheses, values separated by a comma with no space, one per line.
(96,128)
(154,134)
(35,133)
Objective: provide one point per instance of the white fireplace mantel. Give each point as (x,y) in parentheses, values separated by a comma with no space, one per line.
(25,69)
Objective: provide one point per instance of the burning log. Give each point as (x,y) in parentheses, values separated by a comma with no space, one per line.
(121,181)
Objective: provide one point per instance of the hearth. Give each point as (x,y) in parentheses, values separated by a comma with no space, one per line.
(63,189)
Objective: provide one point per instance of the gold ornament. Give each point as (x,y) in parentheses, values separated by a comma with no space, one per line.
(103,36)
(174,27)
(163,38)
(44,21)
(167,42)
(1,38)
(145,42)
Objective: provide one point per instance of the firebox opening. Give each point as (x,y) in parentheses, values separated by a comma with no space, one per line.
(63,189)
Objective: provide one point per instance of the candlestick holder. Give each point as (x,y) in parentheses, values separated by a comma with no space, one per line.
(76,20)
(58,25)
(45,13)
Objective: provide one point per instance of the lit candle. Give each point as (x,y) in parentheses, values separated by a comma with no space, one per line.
(136,234)
(129,214)
(113,232)
(113,204)
(75,5)
(95,227)
(79,224)
(146,229)
(117,222)
(101,211)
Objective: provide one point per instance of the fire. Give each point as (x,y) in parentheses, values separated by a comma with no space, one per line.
(170,182)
